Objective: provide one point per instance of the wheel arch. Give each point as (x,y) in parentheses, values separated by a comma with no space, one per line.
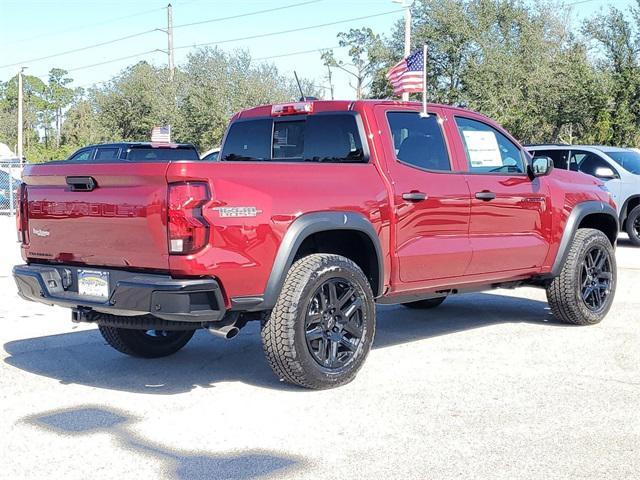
(628,205)
(317,233)
(592,214)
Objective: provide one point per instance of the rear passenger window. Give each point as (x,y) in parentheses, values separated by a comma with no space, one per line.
(418,140)
(488,150)
(106,154)
(330,138)
(333,139)
(82,156)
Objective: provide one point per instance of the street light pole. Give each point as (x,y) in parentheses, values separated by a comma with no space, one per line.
(20,120)
(406,4)
(170,41)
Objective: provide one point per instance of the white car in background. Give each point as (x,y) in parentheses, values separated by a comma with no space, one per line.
(211,155)
(618,168)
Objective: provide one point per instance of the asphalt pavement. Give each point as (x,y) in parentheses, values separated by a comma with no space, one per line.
(487,386)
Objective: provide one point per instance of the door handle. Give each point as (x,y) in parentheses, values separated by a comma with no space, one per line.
(485,195)
(81,184)
(414,196)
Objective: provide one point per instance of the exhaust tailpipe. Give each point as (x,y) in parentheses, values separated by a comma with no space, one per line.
(227,332)
(226,328)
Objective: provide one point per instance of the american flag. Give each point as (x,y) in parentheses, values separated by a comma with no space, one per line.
(408,74)
(161,135)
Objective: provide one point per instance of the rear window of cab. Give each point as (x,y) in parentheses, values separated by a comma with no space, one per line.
(326,138)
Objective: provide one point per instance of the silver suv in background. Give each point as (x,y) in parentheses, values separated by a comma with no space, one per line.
(619,168)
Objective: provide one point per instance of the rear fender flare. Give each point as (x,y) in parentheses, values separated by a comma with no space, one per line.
(301,228)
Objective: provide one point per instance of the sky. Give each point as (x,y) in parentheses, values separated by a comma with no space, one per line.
(31,29)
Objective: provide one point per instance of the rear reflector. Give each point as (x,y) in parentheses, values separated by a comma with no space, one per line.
(291,108)
(187,228)
(22,214)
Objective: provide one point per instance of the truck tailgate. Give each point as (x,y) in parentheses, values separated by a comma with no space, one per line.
(120,222)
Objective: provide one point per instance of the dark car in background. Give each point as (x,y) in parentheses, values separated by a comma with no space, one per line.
(135,152)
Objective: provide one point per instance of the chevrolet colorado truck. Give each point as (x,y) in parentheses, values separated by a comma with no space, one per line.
(315,211)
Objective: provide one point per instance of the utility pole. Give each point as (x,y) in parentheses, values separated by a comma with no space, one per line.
(20,121)
(406,4)
(170,41)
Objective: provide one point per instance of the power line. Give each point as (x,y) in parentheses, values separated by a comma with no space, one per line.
(135,55)
(293,30)
(281,32)
(578,3)
(141,54)
(303,52)
(84,27)
(75,50)
(134,35)
(248,14)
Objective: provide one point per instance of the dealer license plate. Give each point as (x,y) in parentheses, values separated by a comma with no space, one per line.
(93,283)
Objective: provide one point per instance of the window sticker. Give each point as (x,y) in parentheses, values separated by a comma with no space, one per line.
(483,148)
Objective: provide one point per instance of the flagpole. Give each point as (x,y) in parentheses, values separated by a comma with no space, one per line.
(425,113)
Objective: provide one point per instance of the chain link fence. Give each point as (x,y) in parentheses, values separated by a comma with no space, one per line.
(10,175)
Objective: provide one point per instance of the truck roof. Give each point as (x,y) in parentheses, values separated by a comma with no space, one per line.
(339,105)
(566,146)
(141,144)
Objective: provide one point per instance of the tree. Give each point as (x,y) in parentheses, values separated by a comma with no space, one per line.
(365,52)
(618,40)
(58,97)
(82,125)
(218,84)
(34,104)
(512,61)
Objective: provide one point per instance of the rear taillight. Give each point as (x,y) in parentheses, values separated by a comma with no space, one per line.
(21,213)
(188,230)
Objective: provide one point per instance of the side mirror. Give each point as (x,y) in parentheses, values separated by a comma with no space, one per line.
(605,173)
(541,166)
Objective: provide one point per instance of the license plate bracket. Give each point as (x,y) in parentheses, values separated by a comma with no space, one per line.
(94,284)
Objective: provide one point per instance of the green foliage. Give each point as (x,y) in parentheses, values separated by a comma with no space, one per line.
(519,63)
(618,38)
(514,60)
(366,53)
(205,93)
(215,85)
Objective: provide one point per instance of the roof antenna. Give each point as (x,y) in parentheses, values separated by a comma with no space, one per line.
(302,97)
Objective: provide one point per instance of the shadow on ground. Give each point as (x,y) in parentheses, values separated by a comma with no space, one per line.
(84,358)
(180,464)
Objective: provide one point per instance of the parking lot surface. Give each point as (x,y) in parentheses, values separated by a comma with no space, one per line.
(485,386)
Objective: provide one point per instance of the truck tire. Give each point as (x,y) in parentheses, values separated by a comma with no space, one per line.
(633,226)
(425,304)
(145,343)
(583,292)
(321,329)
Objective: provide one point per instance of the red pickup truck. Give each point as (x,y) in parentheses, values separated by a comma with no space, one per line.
(315,211)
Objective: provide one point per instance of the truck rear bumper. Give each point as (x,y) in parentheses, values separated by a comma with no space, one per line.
(185,300)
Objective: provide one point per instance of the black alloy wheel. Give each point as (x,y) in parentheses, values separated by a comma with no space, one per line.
(321,329)
(334,323)
(595,278)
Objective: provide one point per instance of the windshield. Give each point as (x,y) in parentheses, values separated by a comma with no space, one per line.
(629,160)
